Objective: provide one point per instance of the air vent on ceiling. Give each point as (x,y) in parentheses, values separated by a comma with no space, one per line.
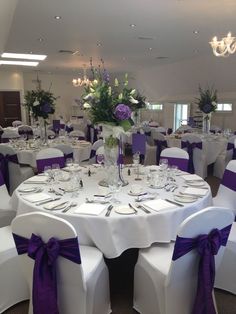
(69,52)
(145,38)
(161,58)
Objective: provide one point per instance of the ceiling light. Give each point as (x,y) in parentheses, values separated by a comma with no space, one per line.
(223,47)
(57,17)
(99,44)
(196,32)
(78,82)
(25,56)
(150,48)
(26,63)
(132,25)
(40,39)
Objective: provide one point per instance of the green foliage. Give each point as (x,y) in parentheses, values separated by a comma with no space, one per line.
(207,102)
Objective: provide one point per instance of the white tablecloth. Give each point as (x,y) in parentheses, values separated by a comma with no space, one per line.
(117,233)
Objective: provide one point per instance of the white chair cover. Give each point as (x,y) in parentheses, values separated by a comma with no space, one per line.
(7,213)
(77,134)
(16,123)
(13,285)
(17,173)
(199,157)
(9,134)
(176,153)
(82,288)
(94,148)
(223,159)
(164,286)
(66,149)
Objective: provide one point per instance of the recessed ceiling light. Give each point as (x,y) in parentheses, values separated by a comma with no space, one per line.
(57,17)
(150,48)
(40,39)
(124,58)
(132,25)
(25,56)
(99,44)
(196,51)
(26,63)
(196,32)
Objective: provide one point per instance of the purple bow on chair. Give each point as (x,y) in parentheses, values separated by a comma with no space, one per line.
(2,182)
(160,145)
(44,275)
(1,133)
(229,180)
(190,147)
(28,133)
(70,155)
(231,146)
(207,245)
(4,160)
(181,163)
(41,163)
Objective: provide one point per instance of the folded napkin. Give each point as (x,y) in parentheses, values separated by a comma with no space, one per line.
(195,191)
(90,209)
(56,204)
(34,198)
(192,177)
(159,204)
(37,179)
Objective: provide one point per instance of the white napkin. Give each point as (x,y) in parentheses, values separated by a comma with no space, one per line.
(34,198)
(37,179)
(159,204)
(90,209)
(192,177)
(195,191)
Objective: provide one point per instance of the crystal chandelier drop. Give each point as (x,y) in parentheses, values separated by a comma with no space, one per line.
(78,82)
(224,47)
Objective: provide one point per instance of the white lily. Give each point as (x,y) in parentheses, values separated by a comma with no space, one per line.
(87,105)
(120,96)
(36,103)
(88,96)
(132,100)
(116,83)
(109,90)
(132,92)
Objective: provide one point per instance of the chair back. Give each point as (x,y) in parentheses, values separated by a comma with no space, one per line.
(9,134)
(56,124)
(66,149)
(5,199)
(231,149)
(161,130)
(26,130)
(176,157)
(70,284)
(48,157)
(139,145)
(181,281)
(16,123)
(226,195)
(160,142)
(193,145)
(94,148)
(51,134)
(80,135)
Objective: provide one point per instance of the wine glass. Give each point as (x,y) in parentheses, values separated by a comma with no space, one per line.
(136,160)
(69,162)
(100,159)
(163,164)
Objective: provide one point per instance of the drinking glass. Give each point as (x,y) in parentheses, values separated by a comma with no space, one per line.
(100,159)
(136,160)
(69,162)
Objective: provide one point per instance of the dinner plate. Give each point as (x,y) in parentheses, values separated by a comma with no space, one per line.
(72,168)
(124,210)
(57,204)
(30,190)
(196,183)
(184,199)
(160,186)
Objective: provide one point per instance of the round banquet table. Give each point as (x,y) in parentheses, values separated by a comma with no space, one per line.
(117,233)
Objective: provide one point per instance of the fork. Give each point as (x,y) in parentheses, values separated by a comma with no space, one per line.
(72,204)
(143,208)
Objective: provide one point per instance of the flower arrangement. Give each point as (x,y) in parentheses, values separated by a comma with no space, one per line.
(40,103)
(207,102)
(111,104)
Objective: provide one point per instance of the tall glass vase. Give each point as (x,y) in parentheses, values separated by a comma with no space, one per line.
(206,123)
(43,132)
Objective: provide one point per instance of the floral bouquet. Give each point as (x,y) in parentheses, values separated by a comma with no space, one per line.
(207,102)
(40,103)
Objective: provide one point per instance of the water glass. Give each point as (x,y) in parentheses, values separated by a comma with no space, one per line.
(100,159)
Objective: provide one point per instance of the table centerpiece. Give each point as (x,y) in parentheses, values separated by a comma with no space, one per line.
(207,103)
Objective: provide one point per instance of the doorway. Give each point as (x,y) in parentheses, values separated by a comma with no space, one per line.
(181,115)
(10,109)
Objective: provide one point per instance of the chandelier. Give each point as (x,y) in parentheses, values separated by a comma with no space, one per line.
(78,82)
(223,47)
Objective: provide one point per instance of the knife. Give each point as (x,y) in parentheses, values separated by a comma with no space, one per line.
(134,209)
(47,201)
(175,203)
(108,210)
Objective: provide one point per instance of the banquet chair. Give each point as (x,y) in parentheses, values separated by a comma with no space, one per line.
(161,130)
(94,148)
(215,129)
(51,134)
(16,123)
(25,130)
(100,151)
(160,143)
(80,135)
(176,157)
(9,134)
(139,145)
(223,159)
(14,173)
(184,129)
(13,285)
(169,278)
(6,211)
(197,158)
(48,157)
(80,273)
(66,149)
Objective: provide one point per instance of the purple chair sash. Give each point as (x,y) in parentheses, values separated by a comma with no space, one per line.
(207,245)
(4,160)
(2,182)
(41,163)
(44,274)
(181,163)
(26,132)
(95,135)
(56,126)
(148,133)
(92,153)
(169,131)
(62,126)
(190,147)
(88,135)
(69,129)
(229,179)
(139,145)
(70,155)
(160,144)
(231,146)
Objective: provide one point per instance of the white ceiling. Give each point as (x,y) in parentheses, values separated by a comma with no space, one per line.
(169,24)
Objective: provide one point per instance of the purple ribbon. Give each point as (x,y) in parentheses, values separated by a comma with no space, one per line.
(56,125)
(229,179)
(88,135)
(207,245)
(70,155)
(44,274)
(181,163)
(231,146)
(41,163)
(160,144)
(29,133)
(92,153)
(190,147)
(4,160)
(62,126)
(169,131)
(2,182)
(69,129)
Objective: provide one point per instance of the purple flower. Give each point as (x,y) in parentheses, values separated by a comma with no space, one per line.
(106,76)
(46,108)
(207,108)
(122,112)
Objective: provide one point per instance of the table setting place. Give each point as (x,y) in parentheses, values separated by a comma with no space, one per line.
(75,190)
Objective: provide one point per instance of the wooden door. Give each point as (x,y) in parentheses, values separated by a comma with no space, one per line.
(10,109)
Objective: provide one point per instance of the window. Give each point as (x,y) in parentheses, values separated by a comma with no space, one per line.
(181,115)
(224,107)
(154,106)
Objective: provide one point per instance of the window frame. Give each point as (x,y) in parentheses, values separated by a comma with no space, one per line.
(222,110)
(152,103)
